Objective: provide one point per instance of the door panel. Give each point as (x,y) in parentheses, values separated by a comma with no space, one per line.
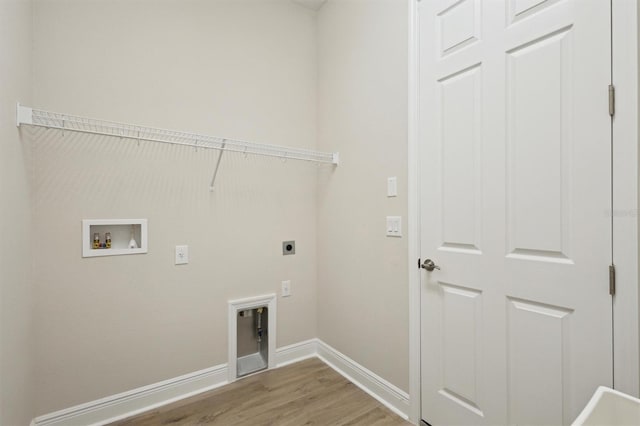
(539,90)
(515,184)
(460,123)
(458,25)
(520,9)
(462,339)
(538,337)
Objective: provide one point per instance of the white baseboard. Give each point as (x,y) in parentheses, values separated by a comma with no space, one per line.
(389,395)
(297,352)
(136,401)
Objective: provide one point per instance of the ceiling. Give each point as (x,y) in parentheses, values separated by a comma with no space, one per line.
(310,4)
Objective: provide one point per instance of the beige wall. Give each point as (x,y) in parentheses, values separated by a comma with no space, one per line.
(260,70)
(16,331)
(362,112)
(235,68)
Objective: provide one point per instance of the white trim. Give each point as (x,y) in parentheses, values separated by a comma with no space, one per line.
(126,404)
(625,197)
(136,401)
(297,352)
(384,392)
(268,300)
(413,200)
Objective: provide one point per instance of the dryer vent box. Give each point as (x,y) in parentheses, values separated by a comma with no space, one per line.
(288,247)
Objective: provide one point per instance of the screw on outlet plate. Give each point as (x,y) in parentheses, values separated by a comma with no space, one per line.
(288,247)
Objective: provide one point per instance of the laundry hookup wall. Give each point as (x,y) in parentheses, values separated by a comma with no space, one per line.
(244,69)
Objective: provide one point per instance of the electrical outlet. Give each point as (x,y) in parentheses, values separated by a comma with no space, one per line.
(182,255)
(288,247)
(286,288)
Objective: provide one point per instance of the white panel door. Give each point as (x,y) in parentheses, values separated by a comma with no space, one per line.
(515,179)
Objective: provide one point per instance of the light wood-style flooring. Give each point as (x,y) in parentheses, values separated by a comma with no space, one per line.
(306,393)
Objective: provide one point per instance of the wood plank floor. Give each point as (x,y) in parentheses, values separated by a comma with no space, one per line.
(306,393)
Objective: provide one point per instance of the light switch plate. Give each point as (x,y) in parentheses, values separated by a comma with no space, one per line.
(286,288)
(394,226)
(182,255)
(392,186)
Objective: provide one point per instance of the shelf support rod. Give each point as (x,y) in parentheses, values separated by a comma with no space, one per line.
(215,172)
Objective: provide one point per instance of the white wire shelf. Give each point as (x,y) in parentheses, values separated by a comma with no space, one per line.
(67,122)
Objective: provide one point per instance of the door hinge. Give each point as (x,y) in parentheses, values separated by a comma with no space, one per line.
(612,100)
(612,279)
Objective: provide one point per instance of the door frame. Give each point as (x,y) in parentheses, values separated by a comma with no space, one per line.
(626,319)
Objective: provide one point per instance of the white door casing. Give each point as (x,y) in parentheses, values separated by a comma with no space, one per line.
(515,185)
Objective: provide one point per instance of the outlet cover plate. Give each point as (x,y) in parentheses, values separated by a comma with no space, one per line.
(182,255)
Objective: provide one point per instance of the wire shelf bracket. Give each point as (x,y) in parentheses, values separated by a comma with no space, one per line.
(66,122)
